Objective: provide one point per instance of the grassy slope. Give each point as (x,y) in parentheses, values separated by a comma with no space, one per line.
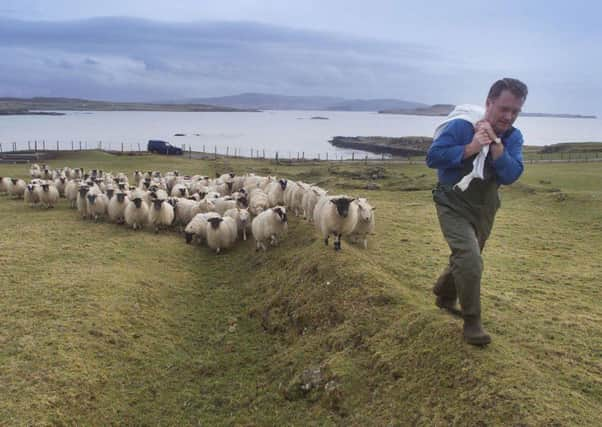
(103,325)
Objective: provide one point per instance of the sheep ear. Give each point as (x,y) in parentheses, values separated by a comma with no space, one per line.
(332,201)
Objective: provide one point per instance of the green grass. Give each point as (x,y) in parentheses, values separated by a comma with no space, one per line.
(102,325)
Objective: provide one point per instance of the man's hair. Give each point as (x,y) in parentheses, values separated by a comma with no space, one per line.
(516,87)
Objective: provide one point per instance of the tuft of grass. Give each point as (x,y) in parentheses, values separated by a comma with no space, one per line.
(103,325)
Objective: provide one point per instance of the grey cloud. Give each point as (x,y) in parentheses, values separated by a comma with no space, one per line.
(127,58)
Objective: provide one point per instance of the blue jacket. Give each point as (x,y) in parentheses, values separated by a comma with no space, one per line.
(446,152)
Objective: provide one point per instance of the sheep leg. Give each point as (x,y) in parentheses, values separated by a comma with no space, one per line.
(244,234)
(326,240)
(337,242)
(365,243)
(217,250)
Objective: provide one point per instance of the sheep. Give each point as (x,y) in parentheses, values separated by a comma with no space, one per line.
(296,198)
(71,190)
(49,195)
(35,171)
(258,201)
(309,201)
(31,196)
(17,188)
(81,202)
(197,227)
(268,226)
(243,220)
(276,192)
(110,191)
(4,183)
(223,204)
(77,173)
(136,211)
(179,190)
(116,208)
(97,204)
(183,210)
(221,233)
(332,215)
(60,183)
(160,214)
(365,221)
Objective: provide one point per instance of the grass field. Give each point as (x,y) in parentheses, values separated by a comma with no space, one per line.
(101,325)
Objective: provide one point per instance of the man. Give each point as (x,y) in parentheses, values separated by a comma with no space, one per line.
(466,217)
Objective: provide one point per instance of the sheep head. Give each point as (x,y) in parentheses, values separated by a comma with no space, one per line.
(281,212)
(215,221)
(342,203)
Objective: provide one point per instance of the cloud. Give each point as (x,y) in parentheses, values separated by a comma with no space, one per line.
(125,57)
(122,58)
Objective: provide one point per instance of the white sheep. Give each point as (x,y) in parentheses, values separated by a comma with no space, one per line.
(179,190)
(81,202)
(221,233)
(60,183)
(243,220)
(276,192)
(161,214)
(197,227)
(116,208)
(136,211)
(98,203)
(222,204)
(365,221)
(268,226)
(309,201)
(4,184)
(17,188)
(31,196)
(333,215)
(258,201)
(49,195)
(71,190)
(35,171)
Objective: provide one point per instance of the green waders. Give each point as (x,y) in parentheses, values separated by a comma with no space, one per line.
(466,219)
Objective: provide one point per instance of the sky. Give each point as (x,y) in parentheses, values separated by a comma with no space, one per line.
(429,51)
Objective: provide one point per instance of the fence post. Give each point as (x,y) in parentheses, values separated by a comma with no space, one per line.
(138,147)
(298,155)
(276,155)
(303,155)
(57,146)
(227,150)
(215,151)
(35,145)
(0,147)
(80,146)
(352,155)
(203,148)
(189,152)
(383,157)
(28,146)
(44,144)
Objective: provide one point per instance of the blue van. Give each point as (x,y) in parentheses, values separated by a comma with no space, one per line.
(162,147)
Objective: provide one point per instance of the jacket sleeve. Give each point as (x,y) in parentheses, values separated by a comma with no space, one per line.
(509,166)
(447,151)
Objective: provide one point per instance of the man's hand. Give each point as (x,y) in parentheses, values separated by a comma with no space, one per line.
(497,149)
(480,139)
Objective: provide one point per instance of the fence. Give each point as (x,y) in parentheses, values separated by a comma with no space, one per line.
(213,151)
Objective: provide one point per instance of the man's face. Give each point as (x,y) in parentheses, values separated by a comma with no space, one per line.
(503,111)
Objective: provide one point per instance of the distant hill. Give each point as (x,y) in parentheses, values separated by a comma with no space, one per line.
(445,109)
(9,106)
(265,101)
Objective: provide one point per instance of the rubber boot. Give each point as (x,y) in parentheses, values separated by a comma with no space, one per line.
(445,290)
(474,333)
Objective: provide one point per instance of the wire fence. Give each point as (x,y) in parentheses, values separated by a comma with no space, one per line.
(215,151)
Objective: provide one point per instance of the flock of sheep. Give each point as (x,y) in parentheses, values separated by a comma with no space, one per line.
(216,211)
